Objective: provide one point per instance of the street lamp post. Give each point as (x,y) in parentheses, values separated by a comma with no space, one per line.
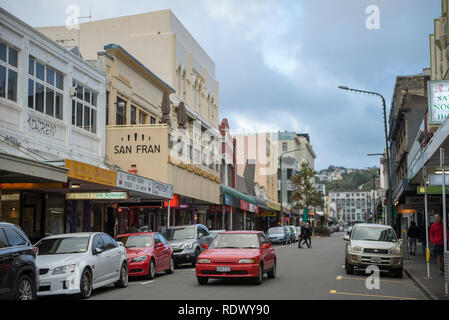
(386,140)
(282,180)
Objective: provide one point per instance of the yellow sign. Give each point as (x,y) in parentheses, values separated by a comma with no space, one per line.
(427,255)
(86,172)
(273,206)
(15,186)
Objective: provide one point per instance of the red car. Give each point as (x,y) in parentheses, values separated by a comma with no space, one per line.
(237,254)
(148,253)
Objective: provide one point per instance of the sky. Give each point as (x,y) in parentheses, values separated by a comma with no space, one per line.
(279,62)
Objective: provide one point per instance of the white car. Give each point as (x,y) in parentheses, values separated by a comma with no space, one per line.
(77,263)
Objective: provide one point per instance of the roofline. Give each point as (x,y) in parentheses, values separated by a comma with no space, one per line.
(113,46)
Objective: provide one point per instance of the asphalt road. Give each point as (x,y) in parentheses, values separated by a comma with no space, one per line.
(302,274)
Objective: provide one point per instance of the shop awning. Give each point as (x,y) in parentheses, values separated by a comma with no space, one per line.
(237,194)
(14,169)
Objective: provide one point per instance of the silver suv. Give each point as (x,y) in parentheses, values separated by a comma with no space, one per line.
(373,244)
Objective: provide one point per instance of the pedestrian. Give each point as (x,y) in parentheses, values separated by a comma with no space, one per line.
(302,235)
(412,235)
(309,234)
(437,238)
(306,235)
(422,237)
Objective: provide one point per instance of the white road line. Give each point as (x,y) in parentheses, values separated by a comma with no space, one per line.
(147,282)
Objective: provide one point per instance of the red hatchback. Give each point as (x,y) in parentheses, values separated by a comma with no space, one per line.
(237,254)
(148,253)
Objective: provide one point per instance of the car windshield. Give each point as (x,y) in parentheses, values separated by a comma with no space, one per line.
(276,230)
(136,241)
(63,245)
(374,234)
(235,240)
(179,233)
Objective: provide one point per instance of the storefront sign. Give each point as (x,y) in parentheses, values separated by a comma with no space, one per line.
(87,172)
(244,205)
(17,186)
(136,183)
(10,197)
(41,126)
(438,101)
(227,199)
(97,196)
(163,190)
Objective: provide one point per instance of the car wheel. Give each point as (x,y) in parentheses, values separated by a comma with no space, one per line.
(123,281)
(272,273)
(349,268)
(151,270)
(86,284)
(172,266)
(25,289)
(259,278)
(197,253)
(202,280)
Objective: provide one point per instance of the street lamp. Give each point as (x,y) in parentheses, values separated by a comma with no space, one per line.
(386,136)
(282,180)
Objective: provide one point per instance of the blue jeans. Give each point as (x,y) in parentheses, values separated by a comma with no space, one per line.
(412,244)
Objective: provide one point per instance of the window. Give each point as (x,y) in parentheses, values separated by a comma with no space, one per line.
(108,242)
(3,240)
(14,238)
(97,243)
(45,89)
(284,146)
(142,117)
(156,240)
(107,108)
(84,115)
(8,72)
(152,120)
(133,115)
(120,113)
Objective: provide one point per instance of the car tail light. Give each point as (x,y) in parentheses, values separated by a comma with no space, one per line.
(35,250)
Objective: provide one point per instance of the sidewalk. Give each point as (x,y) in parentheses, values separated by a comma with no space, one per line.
(416,268)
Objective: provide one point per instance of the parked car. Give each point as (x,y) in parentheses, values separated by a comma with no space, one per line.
(77,263)
(186,242)
(292,233)
(19,278)
(148,253)
(374,244)
(278,235)
(215,232)
(237,254)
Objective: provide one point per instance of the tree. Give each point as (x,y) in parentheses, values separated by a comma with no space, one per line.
(306,195)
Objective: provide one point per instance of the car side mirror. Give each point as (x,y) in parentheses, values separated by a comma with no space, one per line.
(346,238)
(97,251)
(120,243)
(401,241)
(160,244)
(200,236)
(205,246)
(266,246)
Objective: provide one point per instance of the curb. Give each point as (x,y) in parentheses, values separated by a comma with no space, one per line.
(418,283)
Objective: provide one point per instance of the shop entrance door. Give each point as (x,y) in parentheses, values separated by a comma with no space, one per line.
(31,223)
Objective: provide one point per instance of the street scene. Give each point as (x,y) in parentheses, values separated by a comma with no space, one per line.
(239,150)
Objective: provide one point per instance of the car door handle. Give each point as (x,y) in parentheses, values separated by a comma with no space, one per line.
(16,254)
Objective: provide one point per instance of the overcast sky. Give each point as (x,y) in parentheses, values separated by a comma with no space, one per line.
(279,62)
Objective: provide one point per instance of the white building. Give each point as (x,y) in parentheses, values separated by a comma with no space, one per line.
(351,206)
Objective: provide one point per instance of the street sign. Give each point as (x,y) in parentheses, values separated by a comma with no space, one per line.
(97,195)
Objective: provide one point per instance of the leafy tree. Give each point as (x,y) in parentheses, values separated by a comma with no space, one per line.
(306,195)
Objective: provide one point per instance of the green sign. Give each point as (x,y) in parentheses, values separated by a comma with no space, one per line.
(304,215)
(97,196)
(432,190)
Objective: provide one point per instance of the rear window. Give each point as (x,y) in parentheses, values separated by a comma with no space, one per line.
(276,230)
(236,240)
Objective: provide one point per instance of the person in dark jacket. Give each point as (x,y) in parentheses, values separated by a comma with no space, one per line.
(412,234)
(303,235)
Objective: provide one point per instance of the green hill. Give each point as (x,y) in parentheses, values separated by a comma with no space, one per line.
(359,179)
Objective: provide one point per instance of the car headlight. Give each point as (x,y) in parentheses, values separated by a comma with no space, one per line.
(187,245)
(356,248)
(64,269)
(395,250)
(203,260)
(247,261)
(139,259)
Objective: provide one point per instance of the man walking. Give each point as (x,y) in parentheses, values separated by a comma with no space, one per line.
(437,238)
(303,234)
(412,235)
(308,235)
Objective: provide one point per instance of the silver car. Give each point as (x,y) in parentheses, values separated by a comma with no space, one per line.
(77,263)
(373,244)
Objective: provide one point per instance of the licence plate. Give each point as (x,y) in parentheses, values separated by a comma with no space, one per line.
(376,260)
(223,269)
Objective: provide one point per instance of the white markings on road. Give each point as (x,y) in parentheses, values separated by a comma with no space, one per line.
(147,282)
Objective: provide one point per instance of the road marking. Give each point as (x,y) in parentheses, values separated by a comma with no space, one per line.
(147,282)
(363,279)
(369,295)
